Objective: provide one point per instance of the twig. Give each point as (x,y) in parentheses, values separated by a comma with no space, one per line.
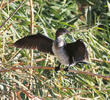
(100,61)
(4,4)
(32,26)
(32,30)
(6,28)
(52,68)
(40,59)
(32,16)
(1,4)
(12,14)
(18,94)
(29,95)
(91,74)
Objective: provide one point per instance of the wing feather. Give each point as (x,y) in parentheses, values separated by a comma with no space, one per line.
(77,50)
(37,41)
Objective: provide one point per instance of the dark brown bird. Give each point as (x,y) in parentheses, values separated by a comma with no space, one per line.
(66,53)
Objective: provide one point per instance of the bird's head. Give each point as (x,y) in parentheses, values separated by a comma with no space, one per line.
(61,31)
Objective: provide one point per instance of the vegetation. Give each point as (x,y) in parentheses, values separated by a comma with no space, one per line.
(26,74)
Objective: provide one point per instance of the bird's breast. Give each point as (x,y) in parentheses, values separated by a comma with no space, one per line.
(60,54)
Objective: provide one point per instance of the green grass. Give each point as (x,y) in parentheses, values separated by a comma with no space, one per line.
(47,84)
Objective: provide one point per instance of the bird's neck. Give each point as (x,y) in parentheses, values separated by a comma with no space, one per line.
(59,41)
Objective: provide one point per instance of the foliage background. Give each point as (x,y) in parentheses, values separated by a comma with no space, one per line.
(88,20)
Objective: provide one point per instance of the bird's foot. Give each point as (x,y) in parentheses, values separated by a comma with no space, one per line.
(57,69)
(83,62)
(66,69)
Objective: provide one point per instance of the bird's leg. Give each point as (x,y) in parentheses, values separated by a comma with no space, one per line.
(82,62)
(70,61)
(66,69)
(58,67)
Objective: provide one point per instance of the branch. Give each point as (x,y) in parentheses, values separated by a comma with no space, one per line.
(5,4)
(32,26)
(6,28)
(100,61)
(52,68)
(32,16)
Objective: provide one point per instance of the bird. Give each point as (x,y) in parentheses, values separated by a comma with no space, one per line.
(68,54)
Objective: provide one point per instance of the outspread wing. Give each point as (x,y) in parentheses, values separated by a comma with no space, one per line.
(77,50)
(38,41)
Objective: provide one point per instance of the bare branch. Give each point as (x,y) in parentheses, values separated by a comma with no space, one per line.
(32,26)
(99,60)
(4,4)
(52,68)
